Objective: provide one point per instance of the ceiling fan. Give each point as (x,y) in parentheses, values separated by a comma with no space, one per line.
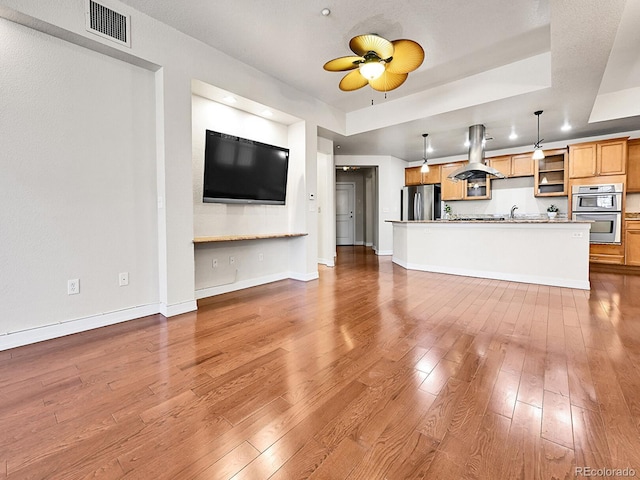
(382,64)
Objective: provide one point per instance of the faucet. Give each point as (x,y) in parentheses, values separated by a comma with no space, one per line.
(513,209)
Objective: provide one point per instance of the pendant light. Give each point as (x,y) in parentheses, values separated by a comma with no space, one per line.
(425,165)
(538,154)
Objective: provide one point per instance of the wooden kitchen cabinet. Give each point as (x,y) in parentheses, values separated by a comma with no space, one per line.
(510,166)
(432,176)
(451,190)
(478,189)
(522,165)
(502,164)
(550,177)
(415,175)
(632,242)
(612,157)
(582,160)
(611,254)
(591,159)
(633,166)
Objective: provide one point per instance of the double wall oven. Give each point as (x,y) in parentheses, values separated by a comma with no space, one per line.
(602,205)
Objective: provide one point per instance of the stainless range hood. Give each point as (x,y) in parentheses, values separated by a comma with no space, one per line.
(476,167)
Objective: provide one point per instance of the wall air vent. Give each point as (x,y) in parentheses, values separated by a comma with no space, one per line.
(108,23)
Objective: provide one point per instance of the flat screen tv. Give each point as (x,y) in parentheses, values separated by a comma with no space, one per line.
(237,170)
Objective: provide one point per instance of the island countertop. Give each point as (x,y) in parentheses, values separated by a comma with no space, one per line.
(498,221)
(532,250)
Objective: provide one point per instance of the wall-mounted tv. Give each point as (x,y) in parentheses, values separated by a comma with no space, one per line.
(237,170)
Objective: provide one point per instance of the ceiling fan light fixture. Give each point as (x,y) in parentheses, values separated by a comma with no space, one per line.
(538,153)
(379,63)
(372,68)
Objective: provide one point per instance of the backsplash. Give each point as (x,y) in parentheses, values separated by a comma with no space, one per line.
(633,202)
(508,192)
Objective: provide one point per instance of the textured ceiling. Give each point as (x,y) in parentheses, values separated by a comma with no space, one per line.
(590,47)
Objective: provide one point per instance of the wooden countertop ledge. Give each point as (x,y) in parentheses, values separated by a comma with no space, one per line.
(250,236)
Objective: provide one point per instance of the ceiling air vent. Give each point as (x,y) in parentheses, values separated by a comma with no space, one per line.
(108,23)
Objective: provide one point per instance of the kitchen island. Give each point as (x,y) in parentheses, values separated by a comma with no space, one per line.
(540,251)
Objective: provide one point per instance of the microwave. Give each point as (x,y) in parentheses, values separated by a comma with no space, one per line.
(597,198)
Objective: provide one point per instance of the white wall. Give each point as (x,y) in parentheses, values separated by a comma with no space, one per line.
(390,182)
(325,198)
(148,146)
(303,256)
(370,207)
(225,219)
(78,184)
(256,261)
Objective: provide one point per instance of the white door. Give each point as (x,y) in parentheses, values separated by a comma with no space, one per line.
(345,204)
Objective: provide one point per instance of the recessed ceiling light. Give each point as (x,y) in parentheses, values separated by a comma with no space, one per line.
(513,135)
(230,99)
(326,12)
(429,149)
(267,113)
(566,127)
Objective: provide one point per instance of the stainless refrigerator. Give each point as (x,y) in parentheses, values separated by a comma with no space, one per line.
(421,202)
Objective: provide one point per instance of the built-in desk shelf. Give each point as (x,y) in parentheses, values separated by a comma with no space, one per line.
(235,238)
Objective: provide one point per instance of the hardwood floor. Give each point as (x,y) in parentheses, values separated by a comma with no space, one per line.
(372,372)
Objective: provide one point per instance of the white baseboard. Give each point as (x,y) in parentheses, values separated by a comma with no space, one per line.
(368,244)
(327,262)
(232,287)
(48,332)
(178,308)
(384,252)
(509,277)
(253,282)
(304,277)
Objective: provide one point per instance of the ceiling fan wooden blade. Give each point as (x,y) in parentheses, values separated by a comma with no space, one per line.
(388,81)
(407,56)
(343,64)
(363,44)
(352,81)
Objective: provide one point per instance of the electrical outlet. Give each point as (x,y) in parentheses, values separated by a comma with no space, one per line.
(73,286)
(261,256)
(123,279)
(232,260)
(214,263)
